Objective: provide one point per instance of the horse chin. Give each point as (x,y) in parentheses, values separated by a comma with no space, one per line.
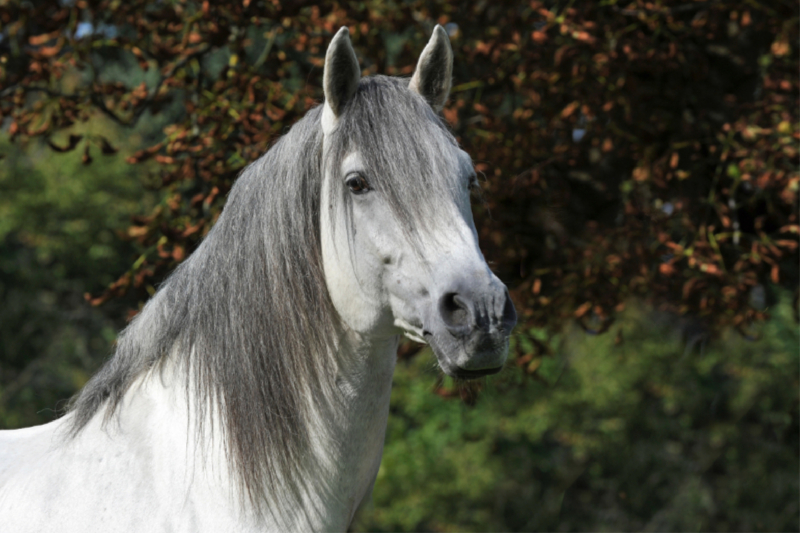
(468,359)
(460,373)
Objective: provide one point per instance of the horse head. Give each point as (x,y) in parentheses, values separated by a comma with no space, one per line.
(399,246)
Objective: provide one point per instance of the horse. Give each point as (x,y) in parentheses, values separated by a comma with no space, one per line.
(251,393)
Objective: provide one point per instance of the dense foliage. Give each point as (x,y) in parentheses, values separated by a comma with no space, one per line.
(59,225)
(630,432)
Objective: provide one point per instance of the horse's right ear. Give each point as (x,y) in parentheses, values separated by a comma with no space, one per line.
(340,77)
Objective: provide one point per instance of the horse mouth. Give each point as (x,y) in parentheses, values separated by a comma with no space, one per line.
(451,368)
(463,373)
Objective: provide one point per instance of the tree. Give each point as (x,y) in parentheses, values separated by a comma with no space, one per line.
(58,239)
(645,435)
(642,149)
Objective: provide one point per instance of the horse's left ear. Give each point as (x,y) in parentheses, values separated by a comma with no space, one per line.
(340,77)
(433,77)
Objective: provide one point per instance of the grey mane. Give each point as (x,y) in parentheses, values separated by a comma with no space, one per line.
(248,313)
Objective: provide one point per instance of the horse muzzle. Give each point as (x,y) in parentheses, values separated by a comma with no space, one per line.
(469,329)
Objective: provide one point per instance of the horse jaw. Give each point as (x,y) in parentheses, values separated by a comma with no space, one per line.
(352,273)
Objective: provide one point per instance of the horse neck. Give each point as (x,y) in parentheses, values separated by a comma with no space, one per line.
(350,420)
(364,369)
(348,425)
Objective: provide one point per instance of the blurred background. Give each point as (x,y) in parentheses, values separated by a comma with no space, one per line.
(639,164)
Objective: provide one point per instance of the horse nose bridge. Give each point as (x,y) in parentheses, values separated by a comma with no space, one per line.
(454,238)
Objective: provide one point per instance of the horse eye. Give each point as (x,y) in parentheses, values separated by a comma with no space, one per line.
(357,184)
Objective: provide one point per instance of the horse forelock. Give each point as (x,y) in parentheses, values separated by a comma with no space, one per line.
(409,154)
(248,313)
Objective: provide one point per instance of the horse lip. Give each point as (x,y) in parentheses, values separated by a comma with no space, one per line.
(453,370)
(461,332)
(463,373)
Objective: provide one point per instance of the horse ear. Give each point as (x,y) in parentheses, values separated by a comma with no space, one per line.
(341,74)
(433,77)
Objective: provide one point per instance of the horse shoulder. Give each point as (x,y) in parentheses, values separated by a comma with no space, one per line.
(138,471)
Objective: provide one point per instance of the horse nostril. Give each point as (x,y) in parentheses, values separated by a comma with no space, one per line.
(509,315)
(455,313)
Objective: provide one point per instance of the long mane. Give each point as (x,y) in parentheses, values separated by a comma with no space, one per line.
(248,313)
